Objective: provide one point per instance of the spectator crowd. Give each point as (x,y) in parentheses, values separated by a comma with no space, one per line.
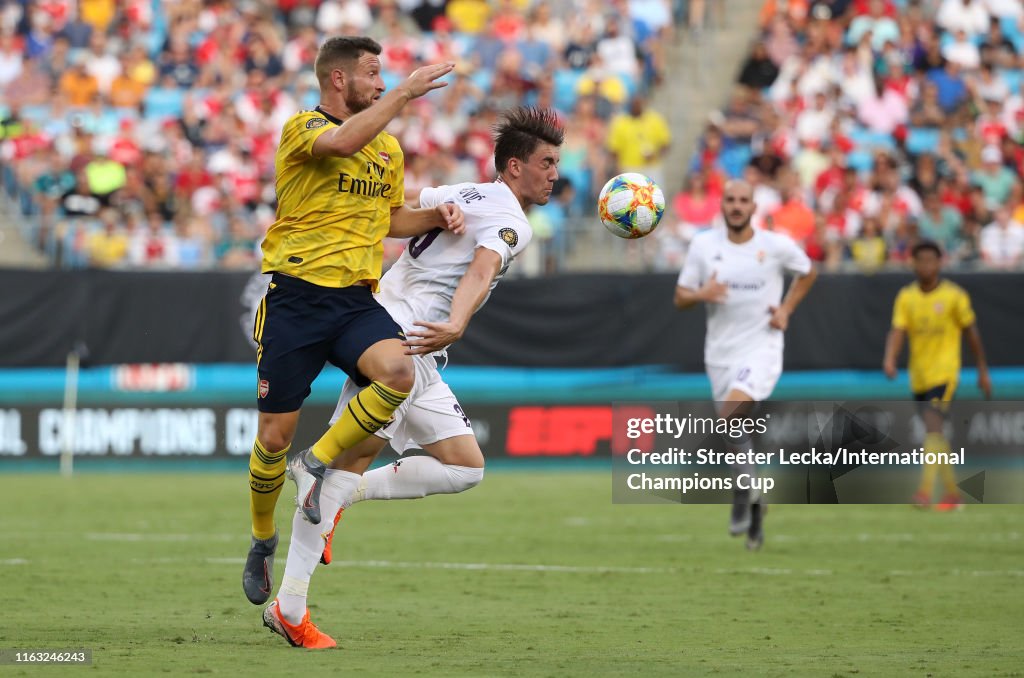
(867,125)
(142,132)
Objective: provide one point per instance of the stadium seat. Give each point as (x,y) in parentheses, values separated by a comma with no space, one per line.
(1013,79)
(922,139)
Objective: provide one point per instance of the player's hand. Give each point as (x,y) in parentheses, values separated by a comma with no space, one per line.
(424,79)
(713,292)
(780,317)
(985,382)
(454,219)
(889,367)
(432,338)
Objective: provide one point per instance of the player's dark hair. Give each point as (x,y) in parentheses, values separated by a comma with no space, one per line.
(340,49)
(521,130)
(925,245)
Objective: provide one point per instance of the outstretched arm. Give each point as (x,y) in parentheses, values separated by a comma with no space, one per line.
(407,221)
(470,293)
(348,139)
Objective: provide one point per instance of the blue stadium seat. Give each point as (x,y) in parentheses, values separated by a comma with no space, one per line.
(922,139)
(862,161)
(1012,31)
(482,78)
(161,102)
(734,159)
(565,81)
(1013,79)
(866,139)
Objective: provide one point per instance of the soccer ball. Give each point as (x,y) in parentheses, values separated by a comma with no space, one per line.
(631,205)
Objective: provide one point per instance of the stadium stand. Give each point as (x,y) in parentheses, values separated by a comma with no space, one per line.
(140,133)
(868,124)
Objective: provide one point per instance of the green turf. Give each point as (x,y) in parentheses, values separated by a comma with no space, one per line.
(145,570)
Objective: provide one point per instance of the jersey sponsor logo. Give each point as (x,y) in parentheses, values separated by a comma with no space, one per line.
(264,388)
(368,188)
(510,236)
(315,123)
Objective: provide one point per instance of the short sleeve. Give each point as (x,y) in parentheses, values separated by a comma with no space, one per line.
(507,240)
(901,312)
(430,196)
(692,274)
(793,258)
(301,131)
(963,311)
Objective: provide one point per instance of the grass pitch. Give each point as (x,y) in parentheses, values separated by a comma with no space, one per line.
(529,574)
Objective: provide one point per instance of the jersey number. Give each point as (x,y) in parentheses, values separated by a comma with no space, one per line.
(416,247)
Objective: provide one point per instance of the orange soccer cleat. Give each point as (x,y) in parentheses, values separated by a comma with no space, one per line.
(921,500)
(951,502)
(305,634)
(325,557)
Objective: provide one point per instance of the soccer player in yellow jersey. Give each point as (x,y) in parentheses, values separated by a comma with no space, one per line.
(340,190)
(934,313)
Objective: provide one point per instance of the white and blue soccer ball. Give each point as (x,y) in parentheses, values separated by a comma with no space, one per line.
(631,205)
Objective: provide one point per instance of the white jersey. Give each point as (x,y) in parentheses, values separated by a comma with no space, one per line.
(421,284)
(753,273)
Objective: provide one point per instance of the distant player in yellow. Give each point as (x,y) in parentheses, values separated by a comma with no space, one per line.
(340,190)
(934,313)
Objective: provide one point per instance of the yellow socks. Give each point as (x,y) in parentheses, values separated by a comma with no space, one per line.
(936,442)
(366,413)
(266,477)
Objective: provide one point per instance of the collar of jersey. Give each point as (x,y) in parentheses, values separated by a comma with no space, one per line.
(336,121)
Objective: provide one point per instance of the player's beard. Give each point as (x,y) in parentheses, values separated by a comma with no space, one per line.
(356,103)
(737,227)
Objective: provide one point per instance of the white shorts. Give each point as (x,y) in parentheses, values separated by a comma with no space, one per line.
(755,375)
(430,413)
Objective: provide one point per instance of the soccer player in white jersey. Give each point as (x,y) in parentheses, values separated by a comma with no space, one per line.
(432,291)
(738,273)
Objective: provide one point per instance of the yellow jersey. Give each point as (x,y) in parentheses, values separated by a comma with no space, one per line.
(332,213)
(934,322)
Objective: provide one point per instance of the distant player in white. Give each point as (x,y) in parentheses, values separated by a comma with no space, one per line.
(738,273)
(432,291)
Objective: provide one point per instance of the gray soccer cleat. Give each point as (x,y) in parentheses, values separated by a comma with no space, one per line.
(258,576)
(308,473)
(755,535)
(739,519)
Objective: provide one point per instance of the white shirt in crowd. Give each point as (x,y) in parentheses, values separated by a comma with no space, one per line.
(1002,245)
(970,16)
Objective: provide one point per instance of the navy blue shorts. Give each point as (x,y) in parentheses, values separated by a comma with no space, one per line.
(937,398)
(301,326)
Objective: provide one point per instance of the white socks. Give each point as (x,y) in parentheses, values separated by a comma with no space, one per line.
(416,477)
(307,543)
(408,478)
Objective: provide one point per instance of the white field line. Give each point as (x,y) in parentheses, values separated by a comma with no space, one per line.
(568,569)
(805,538)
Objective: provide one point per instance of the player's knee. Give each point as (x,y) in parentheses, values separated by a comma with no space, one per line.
(274,440)
(398,375)
(464,477)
